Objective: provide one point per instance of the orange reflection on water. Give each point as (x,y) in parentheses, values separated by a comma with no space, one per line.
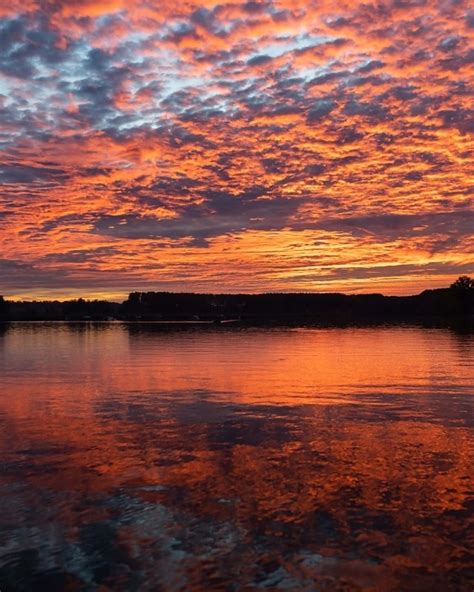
(328,459)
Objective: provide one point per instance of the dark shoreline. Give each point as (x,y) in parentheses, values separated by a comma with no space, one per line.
(434,307)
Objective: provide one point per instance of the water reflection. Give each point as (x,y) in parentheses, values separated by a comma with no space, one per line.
(235,460)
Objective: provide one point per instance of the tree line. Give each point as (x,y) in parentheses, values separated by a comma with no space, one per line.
(457,301)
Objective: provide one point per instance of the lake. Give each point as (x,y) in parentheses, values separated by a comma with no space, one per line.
(143,457)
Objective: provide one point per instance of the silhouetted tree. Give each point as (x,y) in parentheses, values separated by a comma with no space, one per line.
(463,282)
(463,296)
(3,307)
(455,302)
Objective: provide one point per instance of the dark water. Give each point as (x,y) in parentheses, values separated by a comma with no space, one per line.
(135,458)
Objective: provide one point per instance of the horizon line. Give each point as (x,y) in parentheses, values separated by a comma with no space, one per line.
(190,293)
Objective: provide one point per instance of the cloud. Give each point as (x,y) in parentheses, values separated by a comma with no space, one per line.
(219,214)
(21,173)
(320,110)
(457,224)
(189,137)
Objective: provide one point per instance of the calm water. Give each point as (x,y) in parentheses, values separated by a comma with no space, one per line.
(134,458)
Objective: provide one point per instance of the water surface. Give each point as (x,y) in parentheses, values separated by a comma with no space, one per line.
(136,457)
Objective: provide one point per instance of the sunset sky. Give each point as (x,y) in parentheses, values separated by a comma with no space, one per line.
(281,145)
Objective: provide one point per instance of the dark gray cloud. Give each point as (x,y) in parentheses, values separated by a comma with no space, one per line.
(23,48)
(259,60)
(458,224)
(320,110)
(220,214)
(21,173)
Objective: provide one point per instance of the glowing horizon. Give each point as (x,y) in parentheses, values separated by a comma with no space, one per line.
(272,146)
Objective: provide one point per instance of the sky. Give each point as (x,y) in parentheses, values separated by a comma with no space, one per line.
(274,145)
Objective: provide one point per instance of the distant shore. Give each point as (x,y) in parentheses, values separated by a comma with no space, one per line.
(446,304)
